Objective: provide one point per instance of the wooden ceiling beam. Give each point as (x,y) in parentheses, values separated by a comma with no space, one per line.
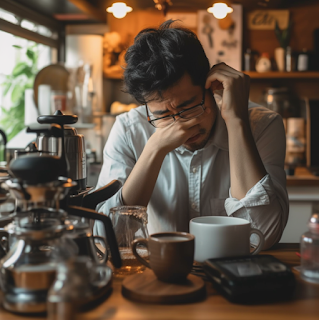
(92,11)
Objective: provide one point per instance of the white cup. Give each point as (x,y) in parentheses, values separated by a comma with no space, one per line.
(220,237)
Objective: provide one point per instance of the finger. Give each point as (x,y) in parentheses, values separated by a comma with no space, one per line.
(216,77)
(216,85)
(245,79)
(224,66)
(226,75)
(227,71)
(188,123)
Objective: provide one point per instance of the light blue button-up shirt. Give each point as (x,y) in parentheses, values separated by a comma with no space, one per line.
(192,184)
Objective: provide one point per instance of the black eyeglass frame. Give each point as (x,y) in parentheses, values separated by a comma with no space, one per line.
(178,113)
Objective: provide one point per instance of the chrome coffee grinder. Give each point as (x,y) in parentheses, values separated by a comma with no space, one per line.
(39,237)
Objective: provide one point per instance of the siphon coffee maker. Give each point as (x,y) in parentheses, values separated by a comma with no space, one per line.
(41,230)
(72,146)
(29,268)
(36,239)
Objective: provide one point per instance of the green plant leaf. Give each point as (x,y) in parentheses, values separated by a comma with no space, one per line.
(31,54)
(283,36)
(4,111)
(18,69)
(16,46)
(22,77)
(23,70)
(17,93)
(7,86)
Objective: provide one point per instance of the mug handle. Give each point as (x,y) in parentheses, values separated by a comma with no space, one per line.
(261,240)
(143,242)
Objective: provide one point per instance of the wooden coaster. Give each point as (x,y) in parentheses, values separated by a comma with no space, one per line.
(145,287)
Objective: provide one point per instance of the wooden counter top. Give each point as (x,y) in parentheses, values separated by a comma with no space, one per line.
(304,306)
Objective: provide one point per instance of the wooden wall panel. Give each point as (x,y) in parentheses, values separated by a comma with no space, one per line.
(135,21)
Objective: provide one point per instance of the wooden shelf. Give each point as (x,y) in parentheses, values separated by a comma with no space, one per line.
(302,178)
(252,74)
(283,75)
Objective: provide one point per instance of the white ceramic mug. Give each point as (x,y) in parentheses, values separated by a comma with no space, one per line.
(220,237)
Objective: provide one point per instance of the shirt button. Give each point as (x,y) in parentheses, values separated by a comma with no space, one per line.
(194,170)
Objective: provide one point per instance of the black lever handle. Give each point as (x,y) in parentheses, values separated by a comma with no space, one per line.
(54,130)
(110,235)
(92,199)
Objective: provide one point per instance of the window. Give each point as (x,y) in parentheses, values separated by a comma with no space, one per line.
(19,62)
(29,42)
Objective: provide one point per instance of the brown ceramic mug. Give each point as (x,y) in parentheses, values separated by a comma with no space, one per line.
(171,254)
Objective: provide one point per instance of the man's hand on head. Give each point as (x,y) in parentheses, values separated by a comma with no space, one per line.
(235,85)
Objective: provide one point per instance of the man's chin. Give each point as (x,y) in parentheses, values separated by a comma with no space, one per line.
(196,145)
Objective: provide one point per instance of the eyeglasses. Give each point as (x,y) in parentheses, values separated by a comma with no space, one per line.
(188,114)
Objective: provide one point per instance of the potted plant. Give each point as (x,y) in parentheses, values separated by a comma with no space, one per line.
(283,36)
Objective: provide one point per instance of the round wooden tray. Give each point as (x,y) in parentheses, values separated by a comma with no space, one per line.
(145,287)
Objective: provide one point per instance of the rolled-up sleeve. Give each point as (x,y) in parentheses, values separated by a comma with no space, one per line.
(256,196)
(266,204)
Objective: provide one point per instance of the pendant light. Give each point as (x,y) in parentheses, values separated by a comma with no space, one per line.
(220,10)
(119,9)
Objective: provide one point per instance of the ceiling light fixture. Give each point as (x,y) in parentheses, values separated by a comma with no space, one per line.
(119,9)
(220,10)
(163,5)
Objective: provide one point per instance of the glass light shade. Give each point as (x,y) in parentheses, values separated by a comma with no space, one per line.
(220,10)
(119,9)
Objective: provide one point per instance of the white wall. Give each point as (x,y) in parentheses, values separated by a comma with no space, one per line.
(303,202)
(89,49)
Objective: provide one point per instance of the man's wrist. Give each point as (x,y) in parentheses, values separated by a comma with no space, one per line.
(153,149)
(236,123)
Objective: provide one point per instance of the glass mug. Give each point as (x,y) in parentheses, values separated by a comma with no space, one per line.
(129,223)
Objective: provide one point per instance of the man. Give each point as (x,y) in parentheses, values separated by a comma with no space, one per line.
(188,151)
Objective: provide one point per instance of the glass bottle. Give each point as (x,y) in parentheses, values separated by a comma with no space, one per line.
(288,59)
(247,59)
(309,247)
(303,62)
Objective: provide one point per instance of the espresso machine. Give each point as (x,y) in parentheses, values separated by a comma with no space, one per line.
(49,226)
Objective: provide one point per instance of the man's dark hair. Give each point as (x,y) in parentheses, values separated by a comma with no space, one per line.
(160,57)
